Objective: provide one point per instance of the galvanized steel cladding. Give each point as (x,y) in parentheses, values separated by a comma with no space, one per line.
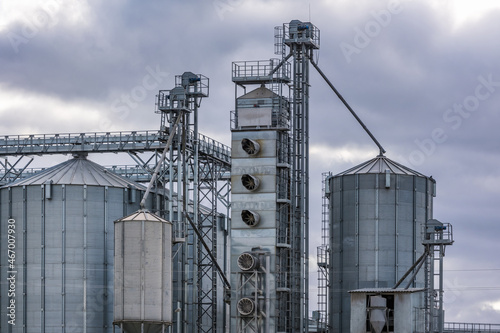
(376,215)
(261,108)
(63,248)
(143,273)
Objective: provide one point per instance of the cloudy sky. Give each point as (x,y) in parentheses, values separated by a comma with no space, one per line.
(423,75)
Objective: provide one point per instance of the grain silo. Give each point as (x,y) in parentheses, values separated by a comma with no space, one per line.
(143,273)
(62,257)
(377,210)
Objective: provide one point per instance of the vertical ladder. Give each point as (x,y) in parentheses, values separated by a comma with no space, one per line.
(323,259)
(436,236)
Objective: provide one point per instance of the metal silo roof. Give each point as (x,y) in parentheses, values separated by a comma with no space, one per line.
(77,171)
(142,215)
(261,92)
(380,164)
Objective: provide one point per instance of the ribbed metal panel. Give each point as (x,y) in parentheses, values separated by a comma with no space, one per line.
(63,248)
(376,210)
(143,273)
(77,171)
(245,238)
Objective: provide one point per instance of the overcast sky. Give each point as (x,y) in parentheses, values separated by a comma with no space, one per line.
(423,75)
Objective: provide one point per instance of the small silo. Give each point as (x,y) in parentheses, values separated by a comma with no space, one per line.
(377,210)
(143,273)
(62,250)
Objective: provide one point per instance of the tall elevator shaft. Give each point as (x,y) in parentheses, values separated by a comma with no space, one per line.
(193,181)
(269,175)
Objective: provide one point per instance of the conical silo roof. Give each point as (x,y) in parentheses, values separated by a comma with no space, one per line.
(142,215)
(380,164)
(77,171)
(261,92)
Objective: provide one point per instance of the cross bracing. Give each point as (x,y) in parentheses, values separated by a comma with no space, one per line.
(102,142)
(195,181)
(20,149)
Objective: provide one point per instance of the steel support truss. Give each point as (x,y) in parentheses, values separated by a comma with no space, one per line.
(253,288)
(195,183)
(301,38)
(198,182)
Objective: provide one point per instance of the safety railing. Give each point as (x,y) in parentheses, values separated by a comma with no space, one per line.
(261,71)
(452,327)
(13,145)
(67,143)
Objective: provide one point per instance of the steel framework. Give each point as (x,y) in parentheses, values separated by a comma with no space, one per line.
(437,236)
(302,38)
(277,116)
(194,180)
(275,132)
(323,258)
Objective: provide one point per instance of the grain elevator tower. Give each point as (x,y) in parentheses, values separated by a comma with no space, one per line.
(269,176)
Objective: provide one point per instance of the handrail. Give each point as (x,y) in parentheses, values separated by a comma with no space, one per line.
(454,327)
(67,143)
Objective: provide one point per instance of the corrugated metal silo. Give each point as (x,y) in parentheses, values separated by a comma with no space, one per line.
(376,212)
(143,273)
(63,248)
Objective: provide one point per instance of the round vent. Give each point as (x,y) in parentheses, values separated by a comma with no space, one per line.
(246,306)
(250,218)
(250,182)
(247,261)
(250,147)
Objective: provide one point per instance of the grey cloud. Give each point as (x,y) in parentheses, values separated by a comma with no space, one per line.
(401,85)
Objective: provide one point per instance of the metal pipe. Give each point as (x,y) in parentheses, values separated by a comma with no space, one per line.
(411,269)
(414,274)
(268,301)
(42,264)
(85,255)
(280,64)
(376,230)
(381,149)
(441,286)
(157,169)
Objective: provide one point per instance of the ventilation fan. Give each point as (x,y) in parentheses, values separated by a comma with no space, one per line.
(250,182)
(250,147)
(250,218)
(248,262)
(246,306)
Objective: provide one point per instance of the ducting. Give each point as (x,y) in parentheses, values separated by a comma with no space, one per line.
(246,306)
(250,182)
(251,147)
(248,262)
(250,218)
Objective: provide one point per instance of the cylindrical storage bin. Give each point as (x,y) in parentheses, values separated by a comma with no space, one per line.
(376,212)
(143,273)
(60,255)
